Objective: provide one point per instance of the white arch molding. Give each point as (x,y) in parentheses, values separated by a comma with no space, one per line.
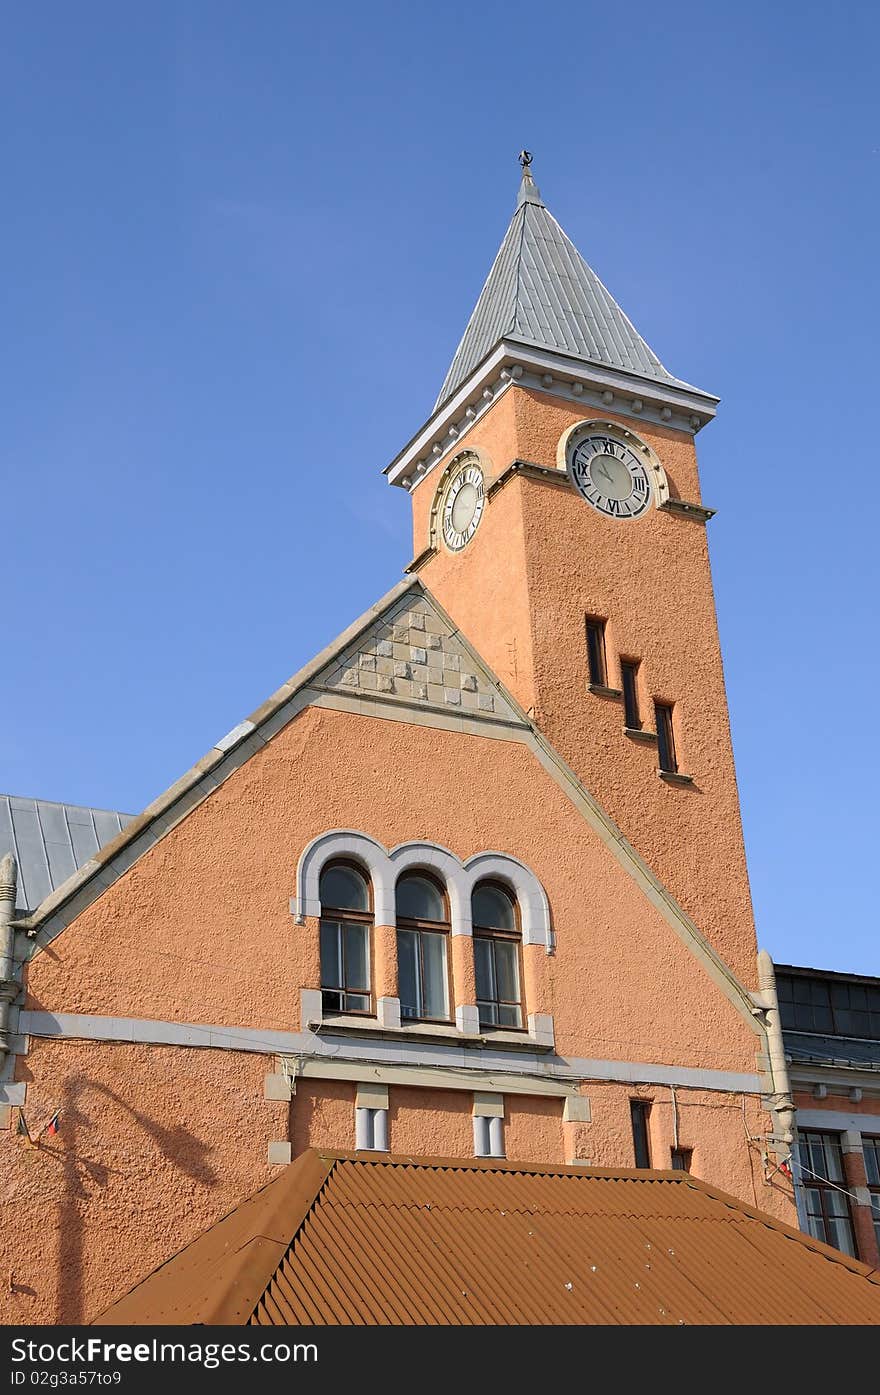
(384,867)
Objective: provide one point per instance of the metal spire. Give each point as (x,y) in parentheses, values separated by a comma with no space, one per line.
(528,189)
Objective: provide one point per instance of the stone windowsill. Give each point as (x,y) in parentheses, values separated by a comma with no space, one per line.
(673,777)
(426,1031)
(600,690)
(637,734)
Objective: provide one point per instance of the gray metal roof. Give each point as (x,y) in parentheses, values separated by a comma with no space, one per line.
(541,291)
(50,841)
(806,1047)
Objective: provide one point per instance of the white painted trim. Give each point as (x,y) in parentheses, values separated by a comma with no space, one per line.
(534,908)
(370,1059)
(436,1078)
(430,857)
(836,1121)
(837,1080)
(572,378)
(355,847)
(459,878)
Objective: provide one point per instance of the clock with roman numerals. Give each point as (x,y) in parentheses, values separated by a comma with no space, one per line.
(609,474)
(462,506)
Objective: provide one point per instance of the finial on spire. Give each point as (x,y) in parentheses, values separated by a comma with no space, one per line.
(528,189)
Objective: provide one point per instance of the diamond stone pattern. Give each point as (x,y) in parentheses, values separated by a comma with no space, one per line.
(412,654)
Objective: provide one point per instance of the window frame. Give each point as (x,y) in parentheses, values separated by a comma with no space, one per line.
(641,1110)
(681,1159)
(800,1009)
(597,662)
(340,917)
(422,927)
(871,1148)
(494,933)
(629,686)
(823,1186)
(667,755)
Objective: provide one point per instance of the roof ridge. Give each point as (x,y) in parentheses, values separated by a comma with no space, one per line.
(67,804)
(568,309)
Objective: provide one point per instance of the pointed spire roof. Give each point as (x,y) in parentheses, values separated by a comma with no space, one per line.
(541,292)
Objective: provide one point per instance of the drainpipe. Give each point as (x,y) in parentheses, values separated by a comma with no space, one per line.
(781,1101)
(9,985)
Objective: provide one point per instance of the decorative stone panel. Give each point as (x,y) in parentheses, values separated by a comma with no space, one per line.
(413,654)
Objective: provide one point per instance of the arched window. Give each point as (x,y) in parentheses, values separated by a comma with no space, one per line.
(346,917)
(497,941)
(422,932)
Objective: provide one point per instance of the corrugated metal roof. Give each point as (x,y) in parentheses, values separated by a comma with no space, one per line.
(50,841)
(341,1238)
(541,291)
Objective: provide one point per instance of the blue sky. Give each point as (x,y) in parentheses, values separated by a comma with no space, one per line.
(240,244)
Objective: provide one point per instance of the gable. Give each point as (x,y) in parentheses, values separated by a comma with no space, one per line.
(413,654)
(412,624)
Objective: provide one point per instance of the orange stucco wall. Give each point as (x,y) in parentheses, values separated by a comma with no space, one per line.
(199,929)
(650,579)
(158,1141)
(163,1139)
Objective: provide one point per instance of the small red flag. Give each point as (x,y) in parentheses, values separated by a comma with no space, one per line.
(52,1126)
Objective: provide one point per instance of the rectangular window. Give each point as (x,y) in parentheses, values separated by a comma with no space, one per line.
(371,1129)
(423,980)
(488,1138)
(496,960)
(823,1184)
(828,1005)
(629,673)
(639,1111)
(681,1159)
(871,1147)
(596,651)
(665,737)
(345,966)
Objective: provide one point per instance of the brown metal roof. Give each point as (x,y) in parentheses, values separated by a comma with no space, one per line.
(378,1239)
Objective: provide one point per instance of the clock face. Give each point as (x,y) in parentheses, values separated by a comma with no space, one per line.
(463,507)
(610,476)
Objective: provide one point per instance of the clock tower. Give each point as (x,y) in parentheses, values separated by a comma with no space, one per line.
(558,518)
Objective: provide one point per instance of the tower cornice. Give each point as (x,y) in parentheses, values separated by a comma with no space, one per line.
(516,361)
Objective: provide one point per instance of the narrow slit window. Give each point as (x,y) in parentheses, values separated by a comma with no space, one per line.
(346,921)
(629,674)
(488,1138)
(497,943)
(596,651)
(665,737)
(371,1130)
(639,1111)
(422,932)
